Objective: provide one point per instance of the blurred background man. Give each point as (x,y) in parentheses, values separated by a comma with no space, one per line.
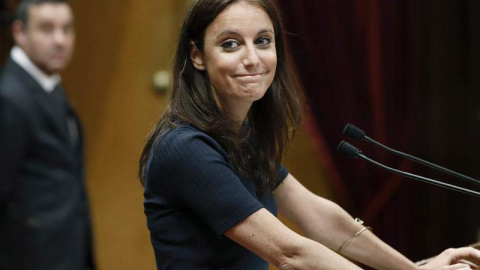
(44,215)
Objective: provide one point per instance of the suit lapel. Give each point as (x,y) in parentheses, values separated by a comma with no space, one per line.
(50,113)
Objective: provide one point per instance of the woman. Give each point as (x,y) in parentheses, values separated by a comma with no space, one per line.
(212,166)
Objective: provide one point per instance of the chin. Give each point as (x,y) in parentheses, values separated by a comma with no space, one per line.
(254,96)
(56,69)
(57,66)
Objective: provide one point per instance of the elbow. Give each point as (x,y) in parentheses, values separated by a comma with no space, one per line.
(286,261)
(284,264)
(285,267)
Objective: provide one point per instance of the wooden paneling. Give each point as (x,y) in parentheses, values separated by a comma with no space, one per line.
(120,44)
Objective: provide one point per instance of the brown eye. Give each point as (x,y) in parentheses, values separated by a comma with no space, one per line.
(263,41)
(230,45)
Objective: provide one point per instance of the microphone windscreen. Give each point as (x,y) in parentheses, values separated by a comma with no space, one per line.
(348,149)
(353,132)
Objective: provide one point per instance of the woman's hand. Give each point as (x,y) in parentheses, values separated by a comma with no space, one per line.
(465,258)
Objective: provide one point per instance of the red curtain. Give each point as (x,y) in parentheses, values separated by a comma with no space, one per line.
(388,67)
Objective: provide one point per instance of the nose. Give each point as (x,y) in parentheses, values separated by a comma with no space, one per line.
(60,37)
(251,56)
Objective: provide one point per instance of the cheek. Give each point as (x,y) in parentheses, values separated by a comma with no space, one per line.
(221,68)
(268,59)
(70,46)
(271,63)
(70,40)
(272,60)
(39,43)
(223,61)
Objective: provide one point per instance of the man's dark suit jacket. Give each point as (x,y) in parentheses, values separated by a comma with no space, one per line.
(44,215)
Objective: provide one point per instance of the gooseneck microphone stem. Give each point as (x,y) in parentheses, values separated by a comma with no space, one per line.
(423,162)
(356,133)
(418,177)
(354,152)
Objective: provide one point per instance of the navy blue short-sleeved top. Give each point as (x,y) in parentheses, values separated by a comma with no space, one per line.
(192,196)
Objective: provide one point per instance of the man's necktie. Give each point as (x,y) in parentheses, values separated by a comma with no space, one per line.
(61,102)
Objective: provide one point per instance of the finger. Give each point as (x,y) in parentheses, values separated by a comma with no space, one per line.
(452,256)
(464,253)
(471,264)
(457,266)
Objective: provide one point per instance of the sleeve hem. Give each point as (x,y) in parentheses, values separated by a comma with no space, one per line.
(235,218)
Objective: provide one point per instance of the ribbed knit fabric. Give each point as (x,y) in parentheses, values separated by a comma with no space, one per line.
(192,196)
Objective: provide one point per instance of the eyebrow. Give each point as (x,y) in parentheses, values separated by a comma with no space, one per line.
(232,32)
(44,21)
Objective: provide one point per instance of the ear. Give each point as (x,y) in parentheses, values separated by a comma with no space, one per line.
(19,33)
(196,56)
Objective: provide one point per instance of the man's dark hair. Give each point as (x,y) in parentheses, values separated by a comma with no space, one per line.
(24,7)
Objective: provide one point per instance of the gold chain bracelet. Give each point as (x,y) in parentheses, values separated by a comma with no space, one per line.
(359,221)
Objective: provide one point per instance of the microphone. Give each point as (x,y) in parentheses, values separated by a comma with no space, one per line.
(354,152)
(356,133)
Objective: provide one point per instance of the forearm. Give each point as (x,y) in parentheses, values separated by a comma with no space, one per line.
(365,248)
(312,255)
(327,223)
(266,236)
(370,250)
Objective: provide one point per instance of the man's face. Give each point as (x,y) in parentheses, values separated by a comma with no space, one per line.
(48,37)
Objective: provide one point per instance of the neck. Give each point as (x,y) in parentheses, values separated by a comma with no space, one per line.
(235,110)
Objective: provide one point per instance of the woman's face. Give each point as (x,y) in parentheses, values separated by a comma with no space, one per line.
(239,56)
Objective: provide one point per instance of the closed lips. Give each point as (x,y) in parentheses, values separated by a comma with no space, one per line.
(250,77)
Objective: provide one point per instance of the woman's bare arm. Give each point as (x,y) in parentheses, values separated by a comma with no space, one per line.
(268,237)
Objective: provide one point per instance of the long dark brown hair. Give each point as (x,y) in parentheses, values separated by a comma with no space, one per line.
(257,149)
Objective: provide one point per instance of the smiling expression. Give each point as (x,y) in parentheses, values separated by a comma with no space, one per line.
(239,56)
